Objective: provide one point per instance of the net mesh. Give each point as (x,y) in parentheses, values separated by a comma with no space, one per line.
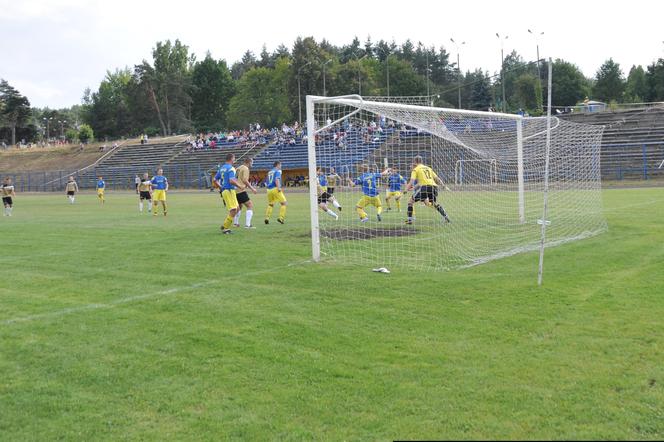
(492,193)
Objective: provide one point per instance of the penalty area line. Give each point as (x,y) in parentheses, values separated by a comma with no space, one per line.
(155,295)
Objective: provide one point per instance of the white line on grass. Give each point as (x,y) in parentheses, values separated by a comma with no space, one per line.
(130,299)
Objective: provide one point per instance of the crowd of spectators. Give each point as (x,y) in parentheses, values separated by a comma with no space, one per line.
(255,134)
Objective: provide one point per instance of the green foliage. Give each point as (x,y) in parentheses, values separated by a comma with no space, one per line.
(480,90)
(85,133)
(71,135)
(655,81)
(570,86)
(14,109)
(609,82)
(636,89)
(527,90)
(262,97)
(213,89)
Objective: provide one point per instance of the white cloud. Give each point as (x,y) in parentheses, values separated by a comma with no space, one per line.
(67,45)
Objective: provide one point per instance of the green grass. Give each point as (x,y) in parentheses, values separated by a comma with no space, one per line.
(120,326)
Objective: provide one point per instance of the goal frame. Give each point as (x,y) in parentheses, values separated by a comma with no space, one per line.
(357,101)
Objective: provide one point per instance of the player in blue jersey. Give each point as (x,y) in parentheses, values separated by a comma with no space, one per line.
(228,183)
(394,183)
(160,187)
(275,193)
(370,182)
(323,195)
(101,186)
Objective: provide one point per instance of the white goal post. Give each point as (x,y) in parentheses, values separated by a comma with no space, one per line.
(493,165)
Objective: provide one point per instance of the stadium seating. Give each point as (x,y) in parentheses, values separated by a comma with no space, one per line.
(354,150)
(633,142)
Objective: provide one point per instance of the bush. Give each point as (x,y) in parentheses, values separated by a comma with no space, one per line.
(151,131)
(71,135)
(85,133)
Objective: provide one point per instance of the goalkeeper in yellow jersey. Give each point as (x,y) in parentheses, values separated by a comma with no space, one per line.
(427,192)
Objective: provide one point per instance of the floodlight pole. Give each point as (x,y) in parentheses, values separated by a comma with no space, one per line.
(458,68)
(299,96)
(545,208)
(502,66)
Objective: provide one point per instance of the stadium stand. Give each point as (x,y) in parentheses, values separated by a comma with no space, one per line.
(633,142)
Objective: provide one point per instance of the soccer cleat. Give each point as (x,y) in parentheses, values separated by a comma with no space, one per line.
(227,231)
(364,220)
(339,208)
(408,221)
(236,225)
(248,227)
(267,221)
(447,219)
(281,220)
(379,218)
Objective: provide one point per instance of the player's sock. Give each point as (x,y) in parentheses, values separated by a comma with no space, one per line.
(410,211)
(332,214)
(268,212)
(236,218)
(248,216)
(11,209)
(282,213)
(6,213)
(165,209)
(441,210)
(140,206)
(228,222)
(399,205)
(149,206)
(72,199)
(379,210)
(336,204)
(361,212)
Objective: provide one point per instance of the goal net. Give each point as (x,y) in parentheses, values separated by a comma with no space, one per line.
(491,168)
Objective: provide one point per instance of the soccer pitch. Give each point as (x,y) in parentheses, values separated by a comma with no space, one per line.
(120,325)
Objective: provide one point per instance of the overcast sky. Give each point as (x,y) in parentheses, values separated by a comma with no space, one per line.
(51,50)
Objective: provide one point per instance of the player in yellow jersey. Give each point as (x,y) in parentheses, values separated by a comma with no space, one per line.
(427,191)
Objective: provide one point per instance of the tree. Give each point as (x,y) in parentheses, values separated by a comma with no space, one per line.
(403,79)
(636,88)
(262,97)
(14,108)
(85,133)
(213,88)
(528,93)
(570,86)
(655,81)
(609,82)
(480,90)
(168,85)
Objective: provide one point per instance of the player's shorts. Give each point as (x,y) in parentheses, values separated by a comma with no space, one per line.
(243,197)
(100,192)
(324,197)
(7,200)
(230,199)
(71,193)
(145,195)
(369,201)
(330,191)
(275,196)
(159,195)
(426,192)
(396,194)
